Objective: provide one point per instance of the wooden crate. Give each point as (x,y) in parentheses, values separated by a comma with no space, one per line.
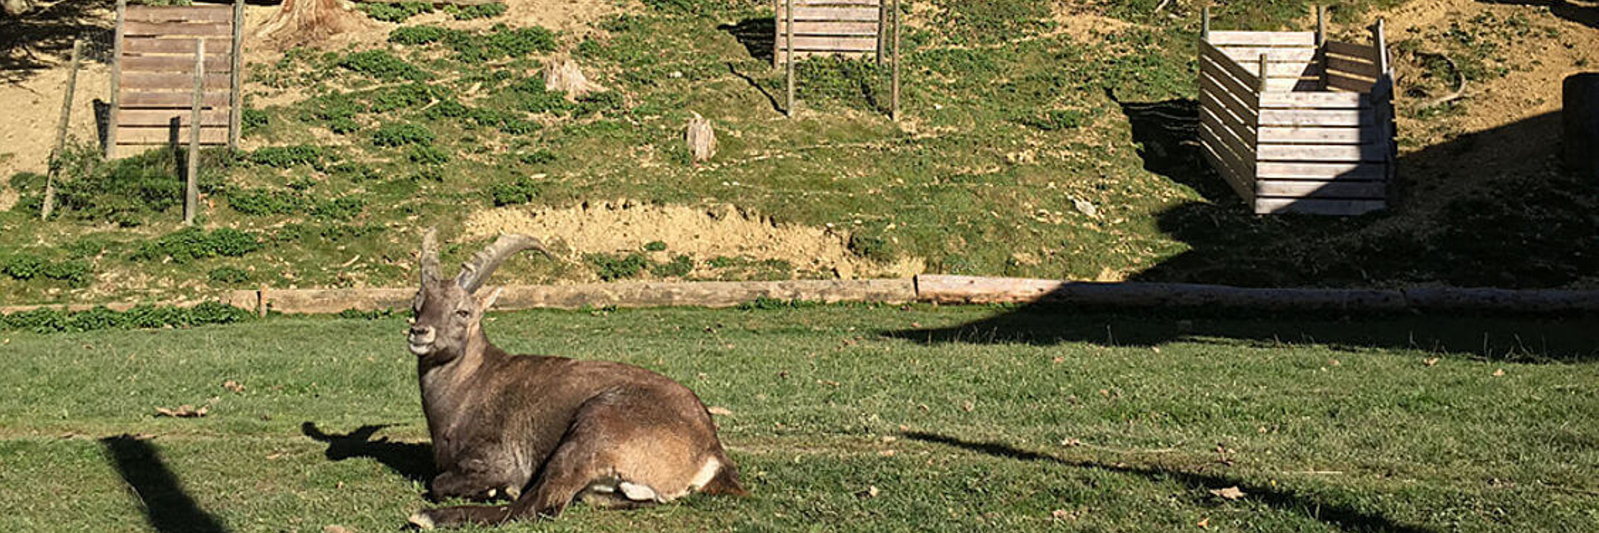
(830,27)
(153,72)
(1297,127)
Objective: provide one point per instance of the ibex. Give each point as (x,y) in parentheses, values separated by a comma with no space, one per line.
(544,431)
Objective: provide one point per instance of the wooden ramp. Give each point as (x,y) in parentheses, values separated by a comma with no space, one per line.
(153,71)
(1299,124)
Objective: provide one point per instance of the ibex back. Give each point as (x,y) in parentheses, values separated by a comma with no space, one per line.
(544,431)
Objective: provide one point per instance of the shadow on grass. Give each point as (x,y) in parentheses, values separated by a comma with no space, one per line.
(1339,515)
(758,35)
(27,42)
(168,508)
(1587,15)
(412,460)
(1524,339)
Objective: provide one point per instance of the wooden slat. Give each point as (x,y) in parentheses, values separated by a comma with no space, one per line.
(176,64)
(829,28)
(157,81)
(1228,66)
(1228,148)
(1322,171)
(161,135)
(1241,107)
(1262,38)
(152,117)
(221,13)
(150,45)
(1352,68)
(1235,140)
(1338,82)
(1374,190)
(830,44)
(1340,48)
(1316,100)
(1222,122)
(872,3)
(1273,55)
(1287,70)
(802,54)
(1291,135)
(131,99)
(1287,85)
(835,14)
(1317,207)
(1239,182)
(1303,117)
(1375,153)
(222,30)
(1216,79)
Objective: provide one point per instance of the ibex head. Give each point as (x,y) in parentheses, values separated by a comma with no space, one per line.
(446,314)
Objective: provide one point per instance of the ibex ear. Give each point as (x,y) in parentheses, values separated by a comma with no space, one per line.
(486,302)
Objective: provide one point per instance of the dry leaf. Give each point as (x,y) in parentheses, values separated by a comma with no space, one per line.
(335,529)
(968,406)
(1062,514)
(1333,362)
(870,492)
(1071,442)
(1229,493)
(1058,360)
(1499,372)
(1430,361)
(1203,523)
(183,411)
(233,386)
(718,411)
(886,453)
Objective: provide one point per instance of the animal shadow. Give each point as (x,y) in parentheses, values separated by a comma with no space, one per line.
(410,459)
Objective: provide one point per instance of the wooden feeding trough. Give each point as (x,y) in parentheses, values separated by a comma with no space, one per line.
(1297,123)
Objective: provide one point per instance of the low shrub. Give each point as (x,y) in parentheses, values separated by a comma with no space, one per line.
(478,11)
(228,275)
(287,156)
(189,244)
(612,267)
(678,267)
(398,12)
(415,35)
(520,191)
(427,155)
(379,64)
(395,134)
(142,317)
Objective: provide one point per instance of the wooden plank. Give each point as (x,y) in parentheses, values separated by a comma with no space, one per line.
(1339,82)
(832,14)
(830,28)
(1240,107)
(1306,117)
(1262,38)
(1235,152)
(163,117)
(1228,66)
(1321,171)
(1239,183)
(1238,139)
(117,45)
(1352,68)
(593,295)
(1287,85)
(131,99)
(159,81)
(210,135)
(1273,55)
(1288,70)
(1366,190)
(175,64)
(1315,100)
(221,30)
(1360,51)
(1273,206)
(802,54)
(177,46)
(1374,153)
(236,75)
(872,3)
(1292,135)
(971,289)
(830,44)
(1243,91)
(222,13)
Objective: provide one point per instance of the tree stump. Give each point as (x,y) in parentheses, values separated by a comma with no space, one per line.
(1581,117)
(302,22)
(701,138)
(564,76)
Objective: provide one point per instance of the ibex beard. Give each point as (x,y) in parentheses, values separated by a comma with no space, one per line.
(545,431)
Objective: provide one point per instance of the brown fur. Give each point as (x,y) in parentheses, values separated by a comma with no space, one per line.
(552,428)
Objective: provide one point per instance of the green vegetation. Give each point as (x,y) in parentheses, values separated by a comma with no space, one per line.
(612,267)
(138,317)
(189,244)
(401,134)
(379,64)
(1075,421)
(395,12)
(227,275)
(679,266)
(476,11)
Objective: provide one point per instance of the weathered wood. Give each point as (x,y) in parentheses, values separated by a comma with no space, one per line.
(1502,300)
(1580,124)
(1351,50)
(1306,70)
(1294,135)
(174,29)
(881,36)
(867,29)
(195,13)
(1326,171)
(191,178)
(132,99)
(1298,56)
(628,295)
(977,290)
(163,117)
(236,75)
(1240,108)
(172,64)
(1316,100)
(1263,38)
(1308,117)
(1374,153)
(1235,177)
(788,14)
(1373,190)
(116,79)
(154,45)
(1242,127)
(1286,85)
(61,129)
(1313,206)
(1337,81)
(830,14)
(1351,68)
(1233,138)
(1243,94)
(830,44)
(209,135)
(894,95)
(163,81)
(1228,66)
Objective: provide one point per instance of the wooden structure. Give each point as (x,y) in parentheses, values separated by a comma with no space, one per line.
(836,27)
(153,74)
(1296,123)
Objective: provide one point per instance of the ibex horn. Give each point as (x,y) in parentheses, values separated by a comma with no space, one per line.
(430,255)
(474,273)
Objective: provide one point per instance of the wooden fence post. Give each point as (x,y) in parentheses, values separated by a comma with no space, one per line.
(61,131)
(882,31)
(788,58)
(235,77)
(1263,72)
(1204,23)
(191,188)
(893,112)
(116,82)
(1321,44)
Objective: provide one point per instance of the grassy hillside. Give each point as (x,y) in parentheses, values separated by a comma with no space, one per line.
(1039,140)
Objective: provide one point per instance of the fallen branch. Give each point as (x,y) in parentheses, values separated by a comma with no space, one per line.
(1460,88)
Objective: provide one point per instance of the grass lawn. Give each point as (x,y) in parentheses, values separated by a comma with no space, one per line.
(851,418)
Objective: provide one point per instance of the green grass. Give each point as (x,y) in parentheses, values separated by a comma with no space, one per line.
(974,419)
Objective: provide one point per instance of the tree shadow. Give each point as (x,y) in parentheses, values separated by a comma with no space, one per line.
(758,35)
(28,42)
(414,461)
(168,508)
(1338,515)
(770,98)
(1586,15)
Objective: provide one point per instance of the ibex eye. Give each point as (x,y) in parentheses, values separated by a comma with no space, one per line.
(463,313)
